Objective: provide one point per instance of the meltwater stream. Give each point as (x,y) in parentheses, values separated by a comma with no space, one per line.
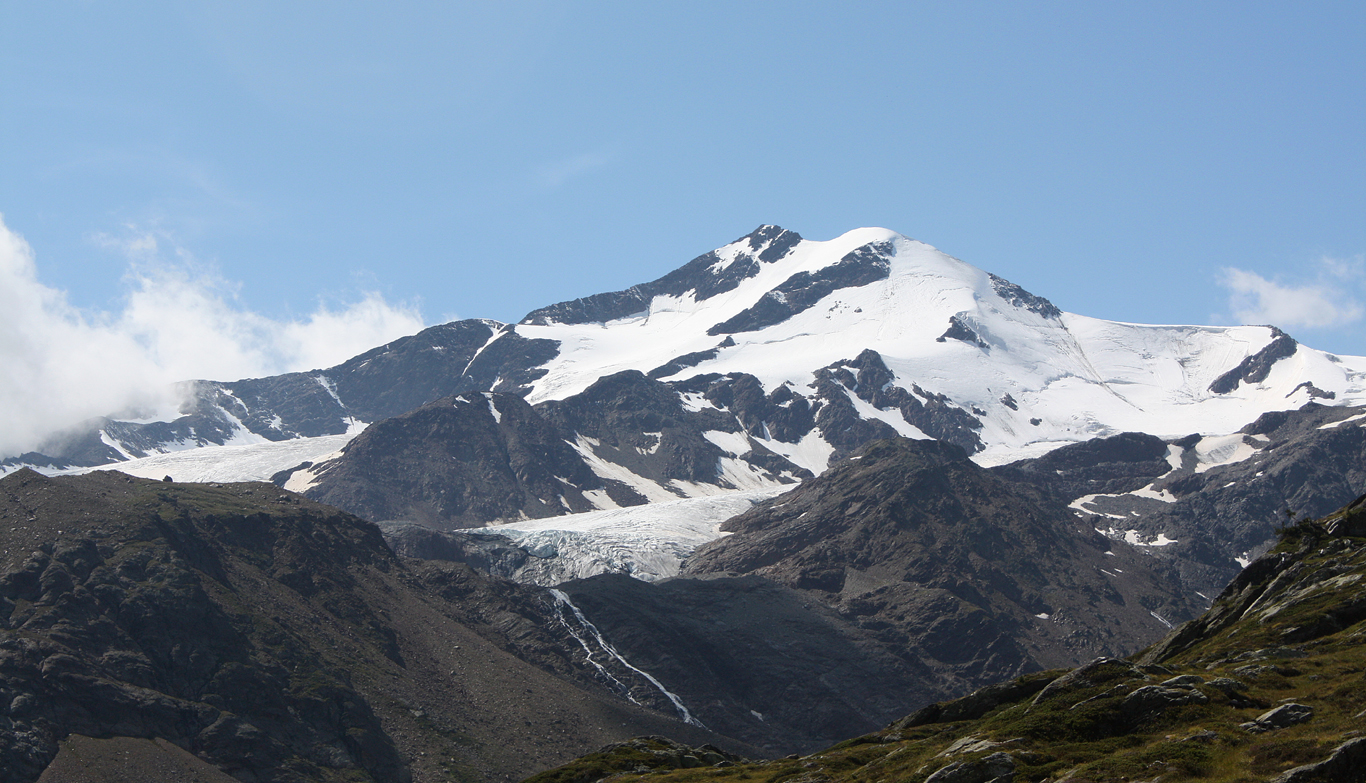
(562,601)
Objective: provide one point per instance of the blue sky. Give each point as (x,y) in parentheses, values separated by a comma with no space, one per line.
(262,166)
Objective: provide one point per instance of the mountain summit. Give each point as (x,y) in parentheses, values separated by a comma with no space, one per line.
(807,349)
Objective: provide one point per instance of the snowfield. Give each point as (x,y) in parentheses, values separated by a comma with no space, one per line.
(252,462)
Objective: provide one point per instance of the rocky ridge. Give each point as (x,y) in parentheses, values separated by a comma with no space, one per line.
(1264,686)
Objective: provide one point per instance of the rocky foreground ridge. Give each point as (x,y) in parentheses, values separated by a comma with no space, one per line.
(241,630)
(1266,685)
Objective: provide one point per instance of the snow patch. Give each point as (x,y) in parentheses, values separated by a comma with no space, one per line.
(735,443)
(115,445)
(331,388)
(1081,503)
(1174,456)
(1152,494)
(614,472)
(1135,538)
(1333,424)
(1213,452)
(695,401)
(811,452)
(250,462)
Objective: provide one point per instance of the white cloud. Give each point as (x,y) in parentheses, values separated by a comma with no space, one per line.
(1326,303)
(177,322)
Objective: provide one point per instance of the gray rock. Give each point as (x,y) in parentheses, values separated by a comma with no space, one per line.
(996,768)
(1099,671)
(1270,653)
(1347,764)
(1286,715)
(1252,671)
(1184,681)
(1155,698)
(1227,684)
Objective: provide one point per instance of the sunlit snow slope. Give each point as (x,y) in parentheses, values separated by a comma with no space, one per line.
(1034,377)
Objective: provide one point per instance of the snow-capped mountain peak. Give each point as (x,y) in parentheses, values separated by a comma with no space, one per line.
(805,350)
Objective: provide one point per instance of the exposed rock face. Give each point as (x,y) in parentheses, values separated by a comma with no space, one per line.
(1282,717)
(458,462)
(432,364)
(488,554)
(680,363)
(1019,297)
(903,576)
(804,289)
(1286,464)
(641,424)
(1346,765)
(982,576)
(1121,463)
(757,660)
(1256,367)
(116,634)
(275,639)
(805,318)
(766,244)
(782,414)
(959,330)
(509,364)
(481,457)
(868,379)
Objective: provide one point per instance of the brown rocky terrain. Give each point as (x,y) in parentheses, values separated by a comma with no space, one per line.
(271,638)
(984,577)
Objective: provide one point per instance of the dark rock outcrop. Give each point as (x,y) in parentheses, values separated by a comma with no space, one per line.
(766,245)
(974,575)
(1255,368)
(799,292)
(459,462)
(1021,298)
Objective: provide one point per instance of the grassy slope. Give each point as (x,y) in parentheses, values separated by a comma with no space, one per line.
(1289,630)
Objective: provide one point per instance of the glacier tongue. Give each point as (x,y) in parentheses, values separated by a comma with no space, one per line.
(647,542)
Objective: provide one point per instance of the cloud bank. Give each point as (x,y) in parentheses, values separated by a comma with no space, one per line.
(61,365)
(1328,302)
